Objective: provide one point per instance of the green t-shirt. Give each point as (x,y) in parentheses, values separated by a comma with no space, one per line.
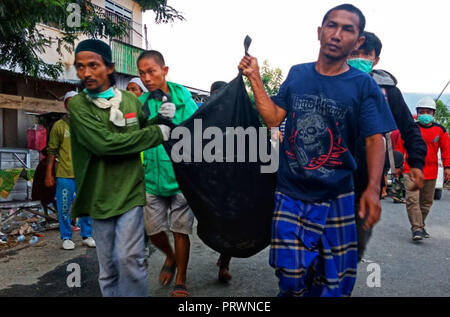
(159,174)
(106,158)
(59,145)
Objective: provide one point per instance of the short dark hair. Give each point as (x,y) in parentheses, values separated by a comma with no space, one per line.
(111,77)
(216,86)
(372,43)
(350,8)
(157,56)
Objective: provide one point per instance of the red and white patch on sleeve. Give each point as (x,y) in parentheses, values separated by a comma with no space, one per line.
(131,118)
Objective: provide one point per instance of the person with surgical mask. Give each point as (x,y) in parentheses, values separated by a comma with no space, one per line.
(419,202)
(364,63)
(425,115)
(365,58)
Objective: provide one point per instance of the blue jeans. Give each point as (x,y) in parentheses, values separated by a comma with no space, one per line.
(120,252)
(65,194)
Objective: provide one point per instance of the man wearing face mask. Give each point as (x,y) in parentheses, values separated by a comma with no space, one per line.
(364,59)
(108,130)
(418,202)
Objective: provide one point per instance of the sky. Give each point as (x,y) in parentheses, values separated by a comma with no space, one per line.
(209,45)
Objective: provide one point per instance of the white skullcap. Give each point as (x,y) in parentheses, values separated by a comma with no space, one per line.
(70,94)
(138,81)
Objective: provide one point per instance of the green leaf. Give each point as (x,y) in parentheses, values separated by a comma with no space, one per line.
(21,38)
(442,114)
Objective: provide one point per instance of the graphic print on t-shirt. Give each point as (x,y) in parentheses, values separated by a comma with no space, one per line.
(315,143)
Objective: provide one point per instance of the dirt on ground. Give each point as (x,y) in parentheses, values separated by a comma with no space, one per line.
(23,263)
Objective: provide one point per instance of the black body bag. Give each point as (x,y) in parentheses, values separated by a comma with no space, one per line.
(232,201)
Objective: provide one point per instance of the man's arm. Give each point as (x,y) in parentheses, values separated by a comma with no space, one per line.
(49,177)
(444,144)
(410,133)
(53,149)
(93,134)
(143,119)
(370,199)
(272,114)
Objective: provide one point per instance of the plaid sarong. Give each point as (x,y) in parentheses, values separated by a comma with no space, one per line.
(314,246)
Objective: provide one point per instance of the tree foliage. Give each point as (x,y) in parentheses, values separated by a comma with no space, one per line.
(22,39)
(442,115)
(272,79)
(164,12)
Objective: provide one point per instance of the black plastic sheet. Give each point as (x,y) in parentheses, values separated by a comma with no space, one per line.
(232,201)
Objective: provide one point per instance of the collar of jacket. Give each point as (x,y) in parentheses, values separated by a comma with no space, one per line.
(383,78)
(178,93)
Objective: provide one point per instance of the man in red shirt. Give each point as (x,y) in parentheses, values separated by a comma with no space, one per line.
(418,202)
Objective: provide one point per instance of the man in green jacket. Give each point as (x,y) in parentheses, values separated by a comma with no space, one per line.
(167,208)
(108,131)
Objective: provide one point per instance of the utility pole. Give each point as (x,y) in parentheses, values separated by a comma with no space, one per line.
(443,91)
(145,34)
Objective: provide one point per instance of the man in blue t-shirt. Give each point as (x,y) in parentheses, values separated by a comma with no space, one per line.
(327,105)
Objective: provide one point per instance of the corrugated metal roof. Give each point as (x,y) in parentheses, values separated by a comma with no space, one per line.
(48,79)
(197,91)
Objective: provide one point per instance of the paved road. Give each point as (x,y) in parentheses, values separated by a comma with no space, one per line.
(407,268)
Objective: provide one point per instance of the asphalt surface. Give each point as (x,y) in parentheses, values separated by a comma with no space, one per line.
(407,268)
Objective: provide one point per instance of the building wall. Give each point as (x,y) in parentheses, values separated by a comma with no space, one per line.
(137,20)
(52,56)
(100,3)
(1,127)
(10,129)
(24,121)
(14,123)
(68,59)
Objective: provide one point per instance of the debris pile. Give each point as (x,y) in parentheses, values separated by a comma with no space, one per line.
(24,228)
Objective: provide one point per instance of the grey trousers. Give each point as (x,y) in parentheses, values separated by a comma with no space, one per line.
(120,252)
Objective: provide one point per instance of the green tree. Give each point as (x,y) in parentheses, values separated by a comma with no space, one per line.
(272,79)
(21,39)
(442,115)
(164,12)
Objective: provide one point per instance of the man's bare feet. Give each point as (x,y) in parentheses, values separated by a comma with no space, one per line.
(167,272)
(223,264)
(224,275)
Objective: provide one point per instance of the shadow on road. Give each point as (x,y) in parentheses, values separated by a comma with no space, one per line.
(54,283)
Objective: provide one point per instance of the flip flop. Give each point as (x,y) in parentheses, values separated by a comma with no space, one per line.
(398,200)
(169,269)
(180,290)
